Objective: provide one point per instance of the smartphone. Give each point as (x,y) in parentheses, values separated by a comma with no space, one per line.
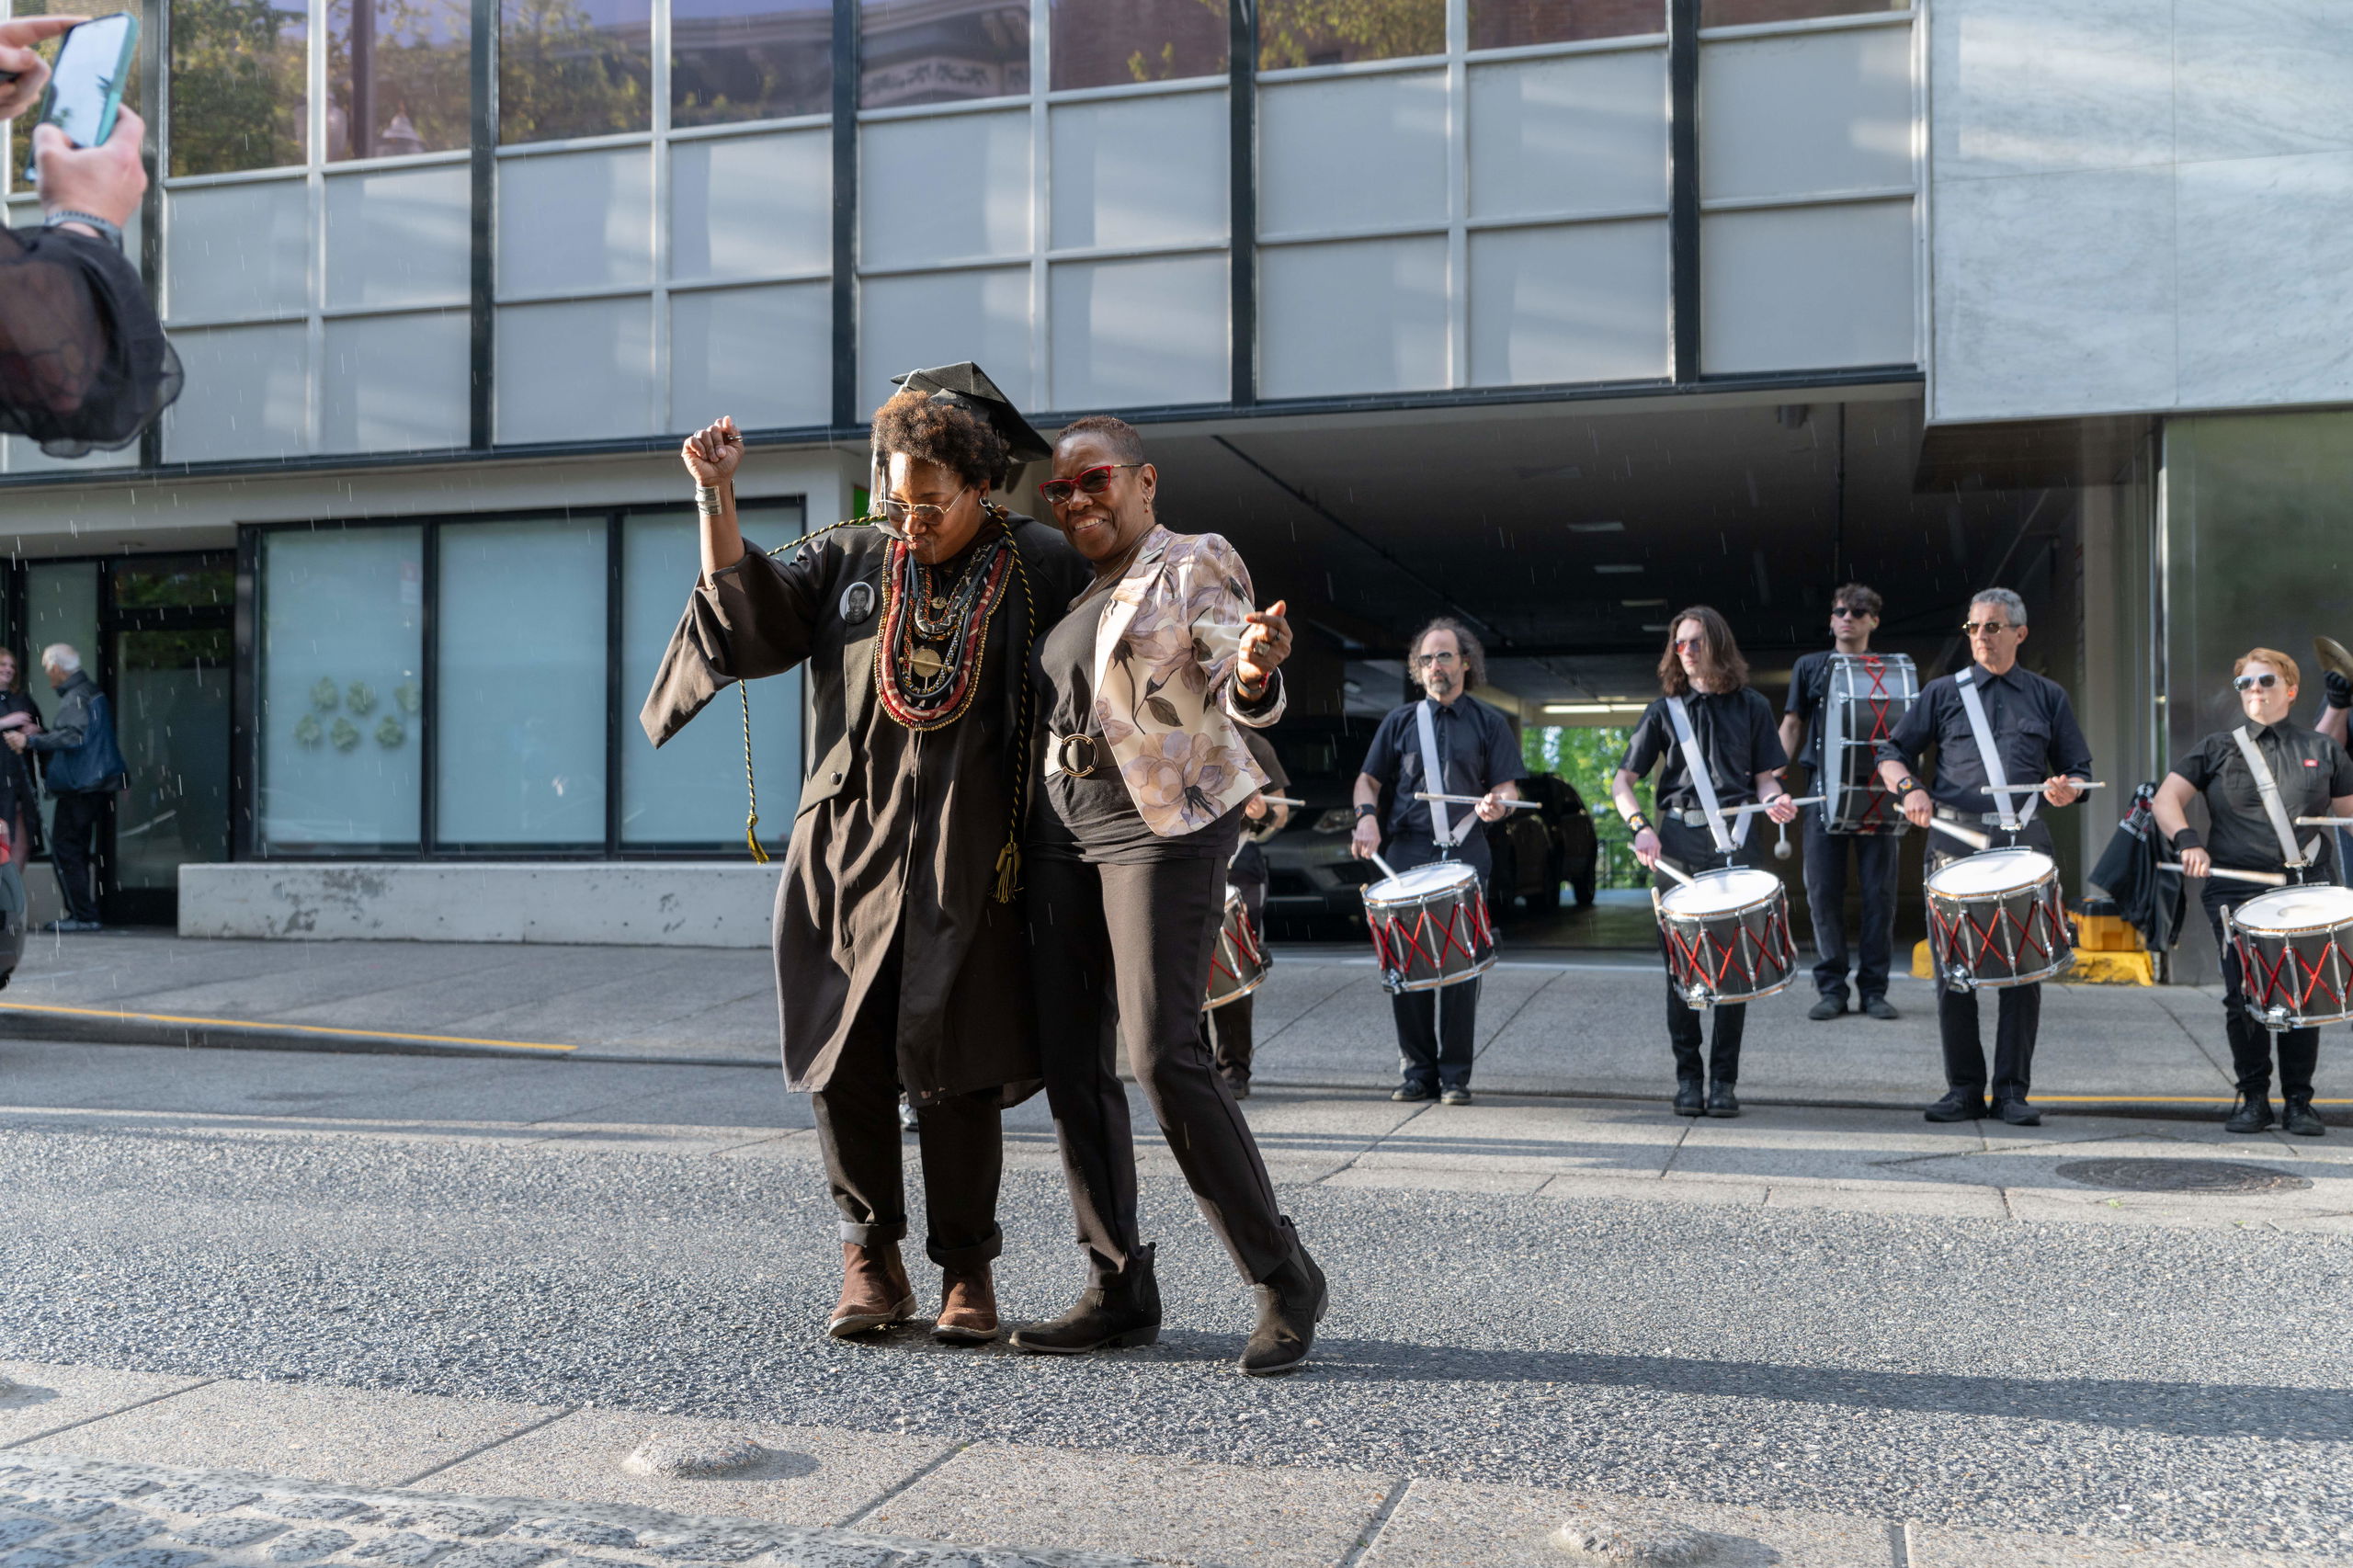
(85,85)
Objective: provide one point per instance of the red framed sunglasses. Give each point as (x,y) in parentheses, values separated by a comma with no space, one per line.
(1086,481)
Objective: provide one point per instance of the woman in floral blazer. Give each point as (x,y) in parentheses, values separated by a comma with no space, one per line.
(1145,776)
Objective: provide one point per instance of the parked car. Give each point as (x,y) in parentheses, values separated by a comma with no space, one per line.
(1535,852)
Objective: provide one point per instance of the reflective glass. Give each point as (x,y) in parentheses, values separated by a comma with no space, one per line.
(737,60)
(397,77)
(571,68)
(340,708)
(1507,24)
(1742,13)
(60,605)
(689,794)
(1340,32)
(16,136)
(937,51)
(519,678)
(1108,43)
(171,703)
(239,86)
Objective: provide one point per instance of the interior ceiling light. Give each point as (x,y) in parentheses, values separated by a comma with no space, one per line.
(1607,528)
(1618,568)
(1595,707)
(1643,603)
(1653,626)
(1551,471)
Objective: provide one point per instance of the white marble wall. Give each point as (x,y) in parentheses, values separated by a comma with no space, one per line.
(2138,207)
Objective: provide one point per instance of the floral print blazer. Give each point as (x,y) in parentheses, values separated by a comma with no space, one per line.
(1165,655)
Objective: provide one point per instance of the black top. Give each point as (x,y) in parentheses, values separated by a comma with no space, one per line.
(1476,748)
(2034,729)
(1809,683)
(2311,768)
(84,361)
(1249,862)
(1736,734)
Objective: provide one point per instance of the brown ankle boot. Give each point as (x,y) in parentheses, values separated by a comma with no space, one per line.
(967,1309)
(875,1292)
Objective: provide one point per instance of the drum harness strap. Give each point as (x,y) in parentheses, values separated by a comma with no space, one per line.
(1449,833)
(2273,807)
(1711,805)
(2005,792)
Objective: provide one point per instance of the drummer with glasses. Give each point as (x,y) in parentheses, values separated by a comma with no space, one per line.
(1469,748)
(2253,828)
(1993,724)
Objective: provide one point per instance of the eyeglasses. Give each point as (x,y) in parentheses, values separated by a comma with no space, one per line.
(902,513)
(1985,628)
(2266,680)
(1849,612)
(1683,643)
(1086,481)
(1440,658)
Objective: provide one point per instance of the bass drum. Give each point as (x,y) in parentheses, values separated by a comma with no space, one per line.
(1864,699)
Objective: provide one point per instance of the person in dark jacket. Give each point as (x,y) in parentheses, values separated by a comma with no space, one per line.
(19,790)
(83,770)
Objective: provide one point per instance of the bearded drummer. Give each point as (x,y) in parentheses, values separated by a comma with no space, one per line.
(1468,749)
(1993,725)
(1707,706)
(2252,817)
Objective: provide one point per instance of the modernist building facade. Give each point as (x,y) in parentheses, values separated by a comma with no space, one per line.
(1551,312)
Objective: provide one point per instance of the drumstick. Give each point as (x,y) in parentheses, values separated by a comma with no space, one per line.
(1281,800)
(1968,836)
(1475,800)
(1767,805)
(2324,822)
(1387,875)
(2269,879)
(1672,870)
(2036,789)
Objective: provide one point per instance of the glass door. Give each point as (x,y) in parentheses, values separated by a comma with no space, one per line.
(169,652)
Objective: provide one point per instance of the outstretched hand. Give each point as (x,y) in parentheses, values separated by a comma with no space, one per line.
(1265,643)
(713,452)
(16,40)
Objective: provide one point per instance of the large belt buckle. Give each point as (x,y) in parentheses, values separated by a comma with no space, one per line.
(1069,748)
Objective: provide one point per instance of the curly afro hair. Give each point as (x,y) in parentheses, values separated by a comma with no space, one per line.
(944,431)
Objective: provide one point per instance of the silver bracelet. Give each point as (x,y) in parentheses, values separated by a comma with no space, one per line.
(706,500)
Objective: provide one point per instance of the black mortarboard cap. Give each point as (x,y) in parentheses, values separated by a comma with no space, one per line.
(969,384)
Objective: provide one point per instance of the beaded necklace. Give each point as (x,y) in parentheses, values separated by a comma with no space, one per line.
(935,634)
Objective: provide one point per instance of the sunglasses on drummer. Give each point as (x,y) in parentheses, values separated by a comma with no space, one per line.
(1990,628)
(2266,680)
(1086,481)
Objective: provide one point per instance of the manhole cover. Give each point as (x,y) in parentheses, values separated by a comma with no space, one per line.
(2180,1175)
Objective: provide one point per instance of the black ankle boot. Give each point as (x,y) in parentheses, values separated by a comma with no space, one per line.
(2297,1117)
(1690,1097)
(1721,1101)
(2253,1116)
(1290,1303)
(1119,1312)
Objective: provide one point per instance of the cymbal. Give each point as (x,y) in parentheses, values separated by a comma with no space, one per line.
(2333,656)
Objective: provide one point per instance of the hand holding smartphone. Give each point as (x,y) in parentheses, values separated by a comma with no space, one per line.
(85,85)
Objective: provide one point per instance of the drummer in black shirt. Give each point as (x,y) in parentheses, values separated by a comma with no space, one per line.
(1733,722)
(2040,749)
(2312,777)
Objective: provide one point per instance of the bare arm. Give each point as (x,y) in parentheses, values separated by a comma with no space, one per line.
(711,455)
(1770,789)
(1792,735)
(2332,723)
(1621,793)
(1364,839)
(2171,808)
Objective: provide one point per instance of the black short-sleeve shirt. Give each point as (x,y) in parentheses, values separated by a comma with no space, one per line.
(1809,683)
(2311,768)
(1736,734)
(1476,748)
(2033,727)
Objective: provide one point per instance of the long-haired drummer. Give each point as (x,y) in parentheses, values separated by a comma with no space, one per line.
(2256,779)
(1992,725)
(1707,706)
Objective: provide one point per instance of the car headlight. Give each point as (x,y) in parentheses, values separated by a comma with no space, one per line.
(1339,819)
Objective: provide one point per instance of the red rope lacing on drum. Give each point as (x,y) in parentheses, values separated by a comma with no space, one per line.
(1945,932)
(1390,952)
(1246,941)
(1704,957)
(2315,980)
(1878,801)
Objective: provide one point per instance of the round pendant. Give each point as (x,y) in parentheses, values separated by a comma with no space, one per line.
(927,665)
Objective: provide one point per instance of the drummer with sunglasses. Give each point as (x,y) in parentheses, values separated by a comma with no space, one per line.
(2251,817)
(1993,724)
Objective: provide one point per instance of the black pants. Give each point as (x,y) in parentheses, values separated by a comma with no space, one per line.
(73,845)
(1225,1031)
(857,1128)
(2251,1043)
(1132,942)
(1438,1030)
(2018,1013)
(1694,850)
(1825,897)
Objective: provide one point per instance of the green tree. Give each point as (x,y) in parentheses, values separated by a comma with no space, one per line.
(420,66)
(1307,32)
(238,99)
(1588,759)
(559,75)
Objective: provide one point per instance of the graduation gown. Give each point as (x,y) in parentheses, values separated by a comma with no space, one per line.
(898,831)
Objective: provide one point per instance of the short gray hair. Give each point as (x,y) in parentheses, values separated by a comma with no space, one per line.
(61,656)
(2012,606)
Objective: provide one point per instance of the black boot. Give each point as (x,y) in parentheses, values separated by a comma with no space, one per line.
(1689,1098)
(2253,1113)
(1290,1303)
(1721,1101)
(1961,1104)
(2299,1118)
(1118,1312)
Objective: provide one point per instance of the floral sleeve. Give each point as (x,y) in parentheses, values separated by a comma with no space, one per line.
(1217,604)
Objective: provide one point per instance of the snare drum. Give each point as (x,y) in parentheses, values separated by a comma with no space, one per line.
(1728,936)
(1238,966)
(1430,927)
(1863,697)
(2295,949)
(1994,920)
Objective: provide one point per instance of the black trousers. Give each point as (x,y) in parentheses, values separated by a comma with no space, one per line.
(2251,1043)
(1437,1031)
(961,1139)
(73,845)
(1132,942)
(2018,1013)
(1225,1031)
(1694,850)
(1825,897)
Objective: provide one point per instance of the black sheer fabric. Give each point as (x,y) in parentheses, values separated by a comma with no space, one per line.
(84,361)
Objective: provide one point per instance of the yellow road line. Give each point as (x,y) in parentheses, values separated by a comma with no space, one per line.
(2150,1099)
(296,1028)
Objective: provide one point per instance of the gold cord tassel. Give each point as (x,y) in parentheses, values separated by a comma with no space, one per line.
(751,786)
(1008,871)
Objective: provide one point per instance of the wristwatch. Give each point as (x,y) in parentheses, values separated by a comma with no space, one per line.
(1367,810)
(110,232)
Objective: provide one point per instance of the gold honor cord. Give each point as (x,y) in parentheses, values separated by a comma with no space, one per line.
(743,691)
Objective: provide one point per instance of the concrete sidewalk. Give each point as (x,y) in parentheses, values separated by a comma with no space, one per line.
(1547,1025)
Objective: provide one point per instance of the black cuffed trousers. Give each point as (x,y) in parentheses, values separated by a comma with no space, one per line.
(2251,1043)
(1694,850)
(2017,1010)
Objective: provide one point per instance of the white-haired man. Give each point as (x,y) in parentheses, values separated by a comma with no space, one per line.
(83,771)
(1992,723)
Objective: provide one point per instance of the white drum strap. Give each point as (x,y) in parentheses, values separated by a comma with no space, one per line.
(2273,807)
(1974,706)
(1443,828)
(1701,780)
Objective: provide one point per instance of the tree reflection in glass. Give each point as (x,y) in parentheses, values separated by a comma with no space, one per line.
(397,77)
(573,68)
(1510,24)
(1341,32)
(1110,43)
(738,60)
(238,91)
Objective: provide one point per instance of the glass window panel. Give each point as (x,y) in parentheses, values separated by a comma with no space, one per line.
(1341,32)
(573,68)
(937,51)
(1110,43)
(689,794)
(239,98)
(341,709)
(174,582)
(733,60)
(520,677)
(60,605)
(397,77)
(1507,24)
(1742,13)
(171,701)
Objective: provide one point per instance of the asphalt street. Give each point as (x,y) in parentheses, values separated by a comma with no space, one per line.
(2124,1381)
